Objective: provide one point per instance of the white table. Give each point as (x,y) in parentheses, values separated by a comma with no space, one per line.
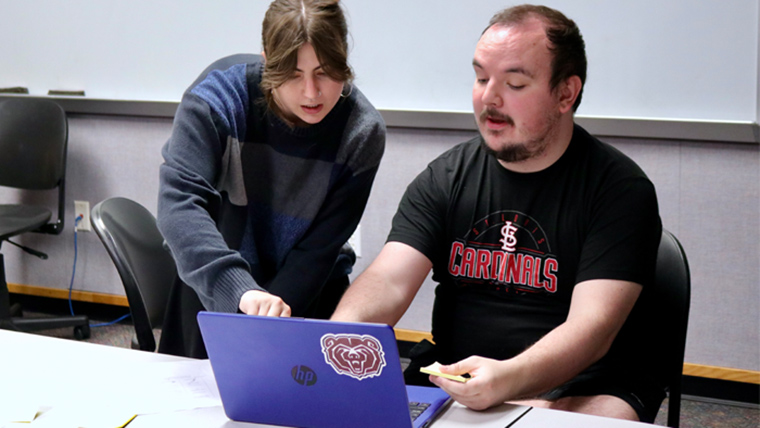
(545,418)
(56,372)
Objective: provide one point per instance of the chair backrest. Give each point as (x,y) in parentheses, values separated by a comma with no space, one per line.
(670,302)
(33,144)
(147,269)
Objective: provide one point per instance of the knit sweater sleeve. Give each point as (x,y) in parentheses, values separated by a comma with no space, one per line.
(209,119)
(309,263)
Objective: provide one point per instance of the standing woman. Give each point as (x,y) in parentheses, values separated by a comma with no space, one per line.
(266,175)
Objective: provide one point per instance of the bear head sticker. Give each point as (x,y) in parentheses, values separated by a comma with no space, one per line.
(360,357)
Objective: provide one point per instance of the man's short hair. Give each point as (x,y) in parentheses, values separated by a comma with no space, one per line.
(567,46)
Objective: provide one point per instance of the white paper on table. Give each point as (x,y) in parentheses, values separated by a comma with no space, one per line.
(15,408)
(166,386)
(81,417)
(114,396)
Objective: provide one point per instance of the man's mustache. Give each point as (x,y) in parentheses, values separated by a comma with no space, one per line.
(495,115)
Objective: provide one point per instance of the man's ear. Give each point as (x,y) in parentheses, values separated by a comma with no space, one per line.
(568,93)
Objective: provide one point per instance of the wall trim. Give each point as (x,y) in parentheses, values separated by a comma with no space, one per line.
(669,129)
(627,127)
(415,336)
(722,373)
(77,295)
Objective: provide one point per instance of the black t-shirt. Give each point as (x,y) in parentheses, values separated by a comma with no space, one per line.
(508,248)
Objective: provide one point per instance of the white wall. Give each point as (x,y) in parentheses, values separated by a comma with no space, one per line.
(674,59)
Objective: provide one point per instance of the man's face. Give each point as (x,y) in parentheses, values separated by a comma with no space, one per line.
(516,110)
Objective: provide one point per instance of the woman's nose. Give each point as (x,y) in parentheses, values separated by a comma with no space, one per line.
(311,90)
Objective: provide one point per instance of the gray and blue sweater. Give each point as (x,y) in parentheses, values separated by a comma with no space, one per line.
(247,202)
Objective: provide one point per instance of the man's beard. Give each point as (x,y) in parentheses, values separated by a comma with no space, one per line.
(516,151)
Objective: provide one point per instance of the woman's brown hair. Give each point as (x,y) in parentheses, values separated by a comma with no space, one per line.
(288,24)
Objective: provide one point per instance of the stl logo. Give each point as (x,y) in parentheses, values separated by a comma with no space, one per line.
(508,237)
(353,355)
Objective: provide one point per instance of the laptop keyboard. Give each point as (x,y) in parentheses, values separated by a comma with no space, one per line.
(416,409)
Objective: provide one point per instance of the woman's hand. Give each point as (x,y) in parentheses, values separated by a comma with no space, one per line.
(257,302)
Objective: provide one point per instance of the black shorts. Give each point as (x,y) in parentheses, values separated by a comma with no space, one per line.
(638,390)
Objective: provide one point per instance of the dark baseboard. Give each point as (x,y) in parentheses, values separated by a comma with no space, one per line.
(60,307)
(723,390)
(404,347)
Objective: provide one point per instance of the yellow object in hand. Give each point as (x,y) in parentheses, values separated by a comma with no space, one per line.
(435,370)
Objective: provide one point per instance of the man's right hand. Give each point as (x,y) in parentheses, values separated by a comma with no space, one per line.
(489,384)
(257,302)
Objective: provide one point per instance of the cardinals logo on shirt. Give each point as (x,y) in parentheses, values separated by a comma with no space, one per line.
(506,250)
(360,357)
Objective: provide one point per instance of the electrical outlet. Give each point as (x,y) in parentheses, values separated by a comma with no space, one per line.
(356,241)
(82,208)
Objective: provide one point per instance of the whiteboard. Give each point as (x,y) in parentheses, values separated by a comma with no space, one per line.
(663,59)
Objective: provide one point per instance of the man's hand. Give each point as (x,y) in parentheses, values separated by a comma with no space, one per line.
(598,310)
(488,385)
(257,302)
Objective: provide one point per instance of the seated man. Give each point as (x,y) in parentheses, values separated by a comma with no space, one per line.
(540,237)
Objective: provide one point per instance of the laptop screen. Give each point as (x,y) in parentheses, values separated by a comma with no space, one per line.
(309,373)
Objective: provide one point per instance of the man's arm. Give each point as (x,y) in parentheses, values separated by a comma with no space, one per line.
(597,312)
(384,291)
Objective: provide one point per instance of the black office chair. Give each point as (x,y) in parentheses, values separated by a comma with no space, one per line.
(33,144)
(147,270)
(668,314)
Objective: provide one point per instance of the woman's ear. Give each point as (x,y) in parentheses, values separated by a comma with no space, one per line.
(264,55)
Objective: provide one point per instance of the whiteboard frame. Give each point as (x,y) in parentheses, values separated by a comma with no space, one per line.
(669,129)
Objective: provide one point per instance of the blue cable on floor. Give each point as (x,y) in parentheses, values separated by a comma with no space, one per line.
(73,272)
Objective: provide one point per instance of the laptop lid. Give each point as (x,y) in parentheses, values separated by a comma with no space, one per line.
(311,373)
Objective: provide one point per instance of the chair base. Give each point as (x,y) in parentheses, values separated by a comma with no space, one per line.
(80,323)
(9,319)
(15,310)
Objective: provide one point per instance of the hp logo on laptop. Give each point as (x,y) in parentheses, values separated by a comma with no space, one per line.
(304,375)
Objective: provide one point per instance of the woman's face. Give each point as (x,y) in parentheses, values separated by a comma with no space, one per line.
(310,94)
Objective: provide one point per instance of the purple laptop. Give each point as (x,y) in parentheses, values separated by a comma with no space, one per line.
(313,373)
